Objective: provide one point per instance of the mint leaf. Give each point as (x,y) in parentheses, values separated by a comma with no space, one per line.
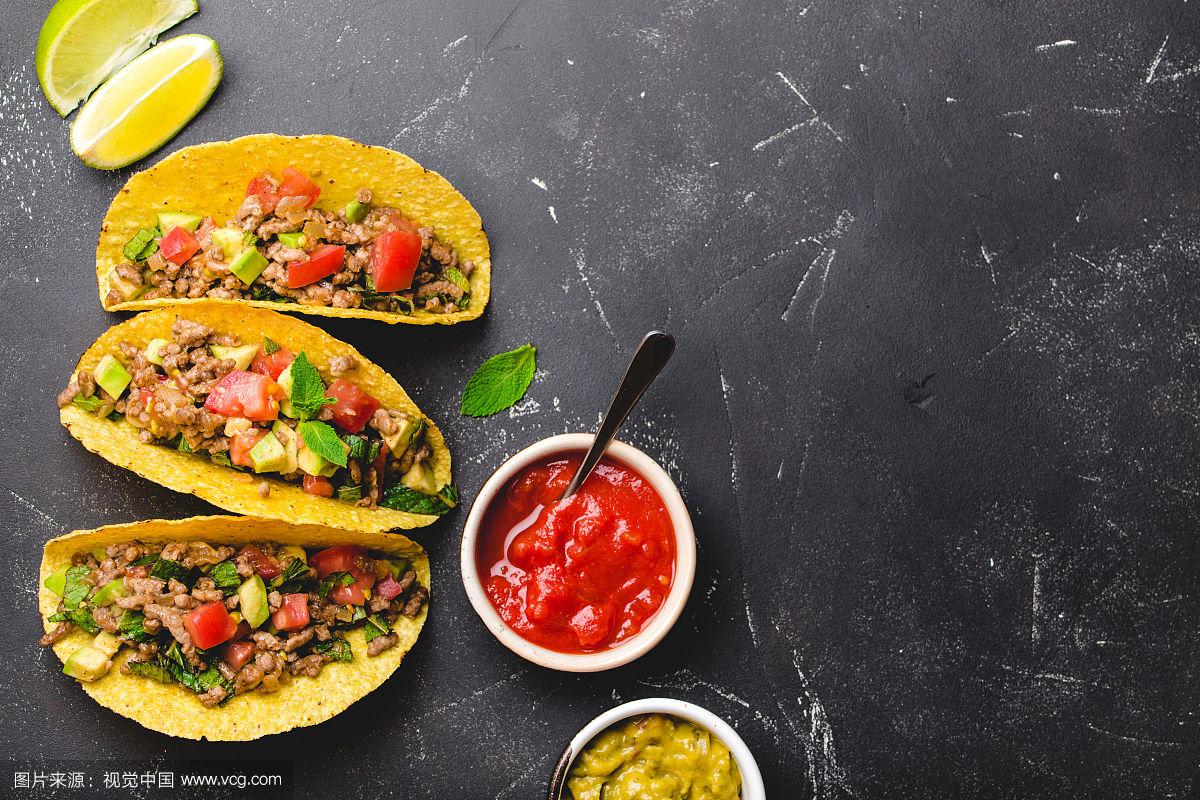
(226,577)
(336,648)
(142,245)
(87,403)
(324,441)
(151,669)
(132,627)
(402,498)
(377,625)
(308,390)
(80,617)
(499,382)
(268,346)
(76,588)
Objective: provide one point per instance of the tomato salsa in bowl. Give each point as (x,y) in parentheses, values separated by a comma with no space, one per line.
(584,584)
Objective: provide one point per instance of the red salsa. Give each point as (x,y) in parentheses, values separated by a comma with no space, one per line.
(580,575)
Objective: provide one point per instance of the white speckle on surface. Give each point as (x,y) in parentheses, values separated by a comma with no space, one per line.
(524,408)
(1103,112)
(1060,43)
(1035,607)
(951,99)
(777,136)
(581,268)
(553,216)
(455,43)
(1058,176)
(570,63)
(33,508)
(1157,59)
(815,116)
(826,256)
(1016,135)
(538,182)
(642,95)
(825,774)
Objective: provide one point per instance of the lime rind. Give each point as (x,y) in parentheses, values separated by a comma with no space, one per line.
(73,30)
(204,48)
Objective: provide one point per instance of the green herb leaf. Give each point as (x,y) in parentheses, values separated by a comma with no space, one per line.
(449,494)
(184,447)
(336,648)
(145,561)
(225,576)
(324,441)
(499,382)
(402,498)
(132,627)
(222,459)
(373,451)
(377,625)
(81,617)
(358,446)
(89,404)
(142,245)
(350,493)
(308,390)
(165,569)
(457,278)
(288,581)
(154,669)
(269,346)
(333,581)
(75,588)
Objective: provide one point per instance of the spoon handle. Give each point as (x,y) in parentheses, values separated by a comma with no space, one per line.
(648,360)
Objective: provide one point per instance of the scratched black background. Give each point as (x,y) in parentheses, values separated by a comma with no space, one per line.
(934,268)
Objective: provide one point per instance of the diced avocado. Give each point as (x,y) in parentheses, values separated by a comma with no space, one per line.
(313,463)
(294,551)
(420,478)
(111,376)
(295,240)
(57,582)
(406,433)
(129,290)
(241,356)
(109,592)
(252,600)
(398,566)
(356,211)
(154,350)
(248,265)
(106,643)
(87,664)
(287,436)
(230,240)
(268,455)
(98,553)
(173,219)
(285,382)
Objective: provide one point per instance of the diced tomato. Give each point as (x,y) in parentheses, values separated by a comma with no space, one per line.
(387,587)
(272,365)
(343,558)
(246,394)
(401,222)
(266,567)
(296,184)
(292,614)
(322,262)
(356,593)
(236,654)
(592,624)
(241,445)
(178,246)
(209,625)
(353,408)
(264,187)
(318,485)
(394,258)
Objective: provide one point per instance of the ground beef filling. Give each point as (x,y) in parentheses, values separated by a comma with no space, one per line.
(436,288)
(161,584)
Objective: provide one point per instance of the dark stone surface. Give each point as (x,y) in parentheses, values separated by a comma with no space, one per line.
(934,272)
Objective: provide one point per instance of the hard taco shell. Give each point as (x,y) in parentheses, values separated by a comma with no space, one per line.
(223,486)
(210,179)
(168,708)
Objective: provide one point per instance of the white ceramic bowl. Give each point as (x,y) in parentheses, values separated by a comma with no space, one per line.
(752,783)
(655,629)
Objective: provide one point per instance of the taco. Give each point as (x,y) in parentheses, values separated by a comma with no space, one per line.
(261,414)
(314,224)
(267,626)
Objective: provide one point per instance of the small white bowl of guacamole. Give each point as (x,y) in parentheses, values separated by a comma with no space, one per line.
(658,747)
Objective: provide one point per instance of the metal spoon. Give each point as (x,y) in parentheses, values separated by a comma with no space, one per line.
(651,356)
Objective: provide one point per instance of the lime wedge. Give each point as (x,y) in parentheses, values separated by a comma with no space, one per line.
(147,102)
(83,42)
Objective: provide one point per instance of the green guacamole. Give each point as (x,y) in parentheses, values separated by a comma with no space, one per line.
(655,756)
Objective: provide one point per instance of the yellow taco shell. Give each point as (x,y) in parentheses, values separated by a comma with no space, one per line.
(220,485)
(210,179)
(300,701)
